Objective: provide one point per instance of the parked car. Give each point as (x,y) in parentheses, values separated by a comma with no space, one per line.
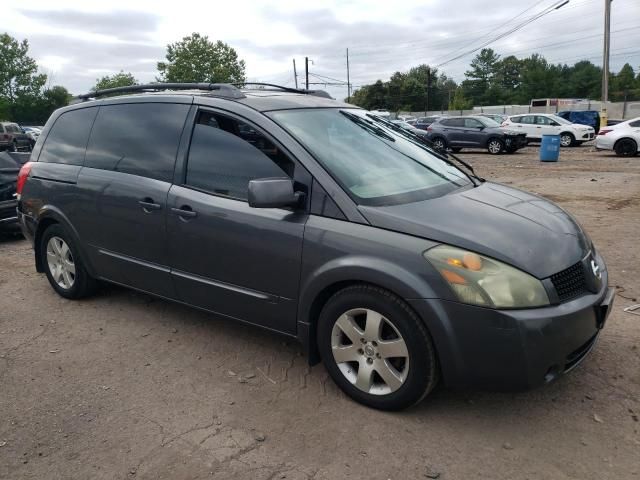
(623,138)
(411,128)
(457,133)
(385,260)
(33,133)
(10,164)
(12,137)
(571,134)
(423,122)
(496,117)
(583,117)
(410,119)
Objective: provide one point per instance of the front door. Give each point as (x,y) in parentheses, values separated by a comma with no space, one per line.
(226,256)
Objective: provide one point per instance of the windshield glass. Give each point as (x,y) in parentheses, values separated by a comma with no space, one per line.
(375,164)
(488,122)
(560,120)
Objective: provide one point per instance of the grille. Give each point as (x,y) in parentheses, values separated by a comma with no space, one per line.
(570,283)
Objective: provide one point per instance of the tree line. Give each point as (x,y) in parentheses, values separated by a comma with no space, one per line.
(26,98)
(493,80)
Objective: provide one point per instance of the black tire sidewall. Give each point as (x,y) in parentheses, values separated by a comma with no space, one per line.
(420,347)
(619,148)
(80,284)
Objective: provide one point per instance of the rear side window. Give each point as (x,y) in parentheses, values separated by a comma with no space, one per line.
(225,154)
(454,122)
(137,138)
(635,124)
(68,137)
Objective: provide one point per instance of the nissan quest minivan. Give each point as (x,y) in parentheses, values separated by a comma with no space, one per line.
(393,264)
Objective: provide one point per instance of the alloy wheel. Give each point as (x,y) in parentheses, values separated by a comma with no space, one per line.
(566,140)
(494,146)
(370,351)
(438,144)
(61,264)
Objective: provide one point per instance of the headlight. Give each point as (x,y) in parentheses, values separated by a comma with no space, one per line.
(480,280)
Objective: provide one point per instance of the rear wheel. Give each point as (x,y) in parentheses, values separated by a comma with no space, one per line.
(439,143)
(13,147)
(62,264)
(626,147)
(495,146)
(376,348)
(567,139)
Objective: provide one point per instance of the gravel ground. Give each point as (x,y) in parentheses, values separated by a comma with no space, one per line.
(123,385)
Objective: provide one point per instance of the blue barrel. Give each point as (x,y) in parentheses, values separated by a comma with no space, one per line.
(550,148)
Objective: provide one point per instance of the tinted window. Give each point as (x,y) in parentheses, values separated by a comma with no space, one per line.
(137,138)
(527,119)
(472,123)
(454,122)
(68,137)
(12,128)
(635,124)
(226,154)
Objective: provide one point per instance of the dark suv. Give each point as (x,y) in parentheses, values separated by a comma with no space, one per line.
(13,138)
(312,218)
(457,133)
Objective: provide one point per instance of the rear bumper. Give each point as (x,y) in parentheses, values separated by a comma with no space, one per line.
(604,143)
(27,226)
(482,348)
(8,215)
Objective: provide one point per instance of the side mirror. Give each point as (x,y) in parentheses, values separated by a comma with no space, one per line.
(273,193)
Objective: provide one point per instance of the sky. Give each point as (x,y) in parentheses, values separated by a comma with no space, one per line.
(77,41)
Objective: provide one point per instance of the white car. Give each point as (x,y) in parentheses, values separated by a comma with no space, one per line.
(410,119)
(623,138)
(537,124)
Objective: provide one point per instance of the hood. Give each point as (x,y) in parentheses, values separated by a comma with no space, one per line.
(521,229)
(581,126)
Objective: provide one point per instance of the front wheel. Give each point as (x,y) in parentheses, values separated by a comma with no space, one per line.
(567,139)
(495,146)
(376,348)
(626,148)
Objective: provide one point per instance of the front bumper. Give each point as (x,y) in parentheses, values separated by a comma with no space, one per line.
(483,348)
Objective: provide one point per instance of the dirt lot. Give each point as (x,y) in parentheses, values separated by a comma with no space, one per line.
(127,386)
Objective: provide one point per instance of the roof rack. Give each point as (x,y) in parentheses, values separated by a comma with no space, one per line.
(223,89)
(315,93)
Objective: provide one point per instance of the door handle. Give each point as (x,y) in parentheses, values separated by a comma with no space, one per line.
(184,211)
(148,204)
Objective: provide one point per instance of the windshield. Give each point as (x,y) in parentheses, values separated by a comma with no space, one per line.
(375,164)
(560,120)
(488,122)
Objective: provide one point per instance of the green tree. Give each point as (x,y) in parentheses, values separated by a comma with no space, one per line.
(623,84)
(481,77)
(121,79)
(459,102)
(20,83)
(197,59)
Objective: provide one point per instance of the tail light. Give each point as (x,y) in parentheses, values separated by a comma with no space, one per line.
(22,178)
(604,132)
(429,128)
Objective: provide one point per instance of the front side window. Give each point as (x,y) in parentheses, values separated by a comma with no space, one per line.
(67,140)
(225,154)
(373,163)
(137,138)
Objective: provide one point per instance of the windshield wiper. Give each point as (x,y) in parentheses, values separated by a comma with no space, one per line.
(444,156)
(368,125)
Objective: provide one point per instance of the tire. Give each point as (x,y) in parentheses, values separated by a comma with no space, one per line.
(456,149)
(567,139)
(626,147)
(511,150)
(439,144)
(63,265)
(13,147)
(495,146)
(399,381)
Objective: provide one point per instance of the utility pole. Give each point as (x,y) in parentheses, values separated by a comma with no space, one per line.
(306,72)
(605,63)
(426,100)
(348,81)
(295,73)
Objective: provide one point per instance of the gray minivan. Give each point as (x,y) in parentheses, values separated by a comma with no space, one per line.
(288,210)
